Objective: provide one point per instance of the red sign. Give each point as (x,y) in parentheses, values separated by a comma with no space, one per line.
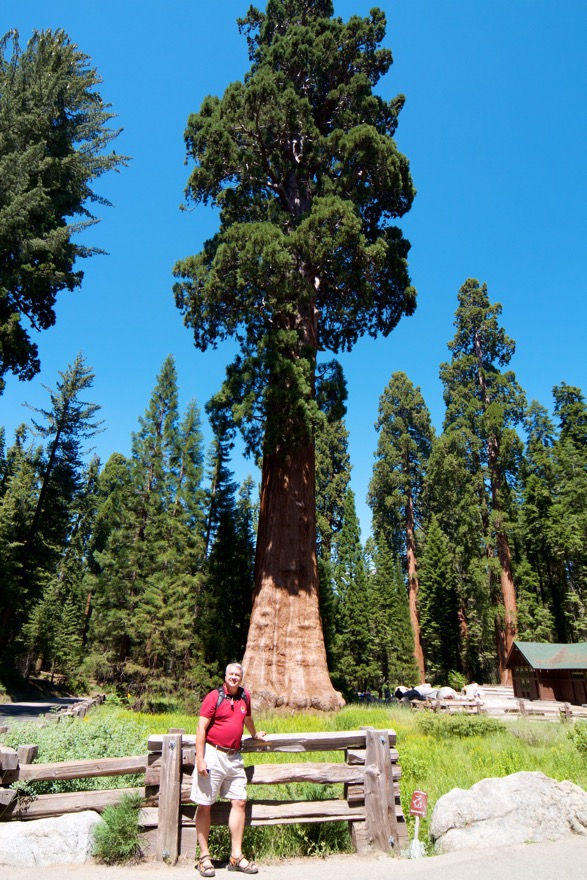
(419,804)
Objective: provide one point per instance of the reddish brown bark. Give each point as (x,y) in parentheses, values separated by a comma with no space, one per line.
(507,627)
(413,587)
(285,659)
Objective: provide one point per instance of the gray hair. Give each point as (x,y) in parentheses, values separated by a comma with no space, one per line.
(234,666)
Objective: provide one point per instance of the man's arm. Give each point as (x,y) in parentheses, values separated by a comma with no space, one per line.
(203,725)
(250,725)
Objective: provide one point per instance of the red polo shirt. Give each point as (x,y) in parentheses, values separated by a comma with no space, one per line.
(228,720)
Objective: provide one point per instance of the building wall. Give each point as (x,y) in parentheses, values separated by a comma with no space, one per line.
(564,685)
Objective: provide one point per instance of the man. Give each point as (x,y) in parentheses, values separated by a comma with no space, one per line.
(220,770)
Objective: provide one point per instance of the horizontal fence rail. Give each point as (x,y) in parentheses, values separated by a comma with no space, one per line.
(537,710)
(369,775)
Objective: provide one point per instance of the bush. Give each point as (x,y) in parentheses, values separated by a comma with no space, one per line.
(452,726)
(104,733)
(456,680)
(578,736)
(117,837)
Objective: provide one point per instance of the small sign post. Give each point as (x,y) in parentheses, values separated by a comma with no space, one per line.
(418,808)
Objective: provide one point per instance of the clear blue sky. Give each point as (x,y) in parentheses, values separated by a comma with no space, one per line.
(494,127)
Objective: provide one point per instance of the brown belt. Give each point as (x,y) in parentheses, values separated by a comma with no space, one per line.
(223,749)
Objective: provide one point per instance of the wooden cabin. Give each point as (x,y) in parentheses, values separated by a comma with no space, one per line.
(543,671)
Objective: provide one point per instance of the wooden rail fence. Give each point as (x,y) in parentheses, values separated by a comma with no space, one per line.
(535,710)
(370,775)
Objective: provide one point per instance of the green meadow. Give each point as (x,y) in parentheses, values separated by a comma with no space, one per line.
(436,754)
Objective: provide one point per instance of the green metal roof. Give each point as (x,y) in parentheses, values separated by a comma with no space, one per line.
(543,655)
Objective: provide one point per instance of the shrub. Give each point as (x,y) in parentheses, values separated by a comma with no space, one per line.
(456,680)
(578,736)
(104,733)
(117,837)
(451,726)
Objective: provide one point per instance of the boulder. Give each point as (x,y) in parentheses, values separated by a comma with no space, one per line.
(521,808)
(473,691)
(64,840)
(447,693)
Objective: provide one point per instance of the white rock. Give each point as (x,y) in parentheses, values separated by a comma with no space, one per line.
(521,808)
(425,688)
(59,841)
(447,693)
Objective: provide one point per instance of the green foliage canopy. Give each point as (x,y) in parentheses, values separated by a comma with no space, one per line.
(403,449)
(53,136)
(300,160)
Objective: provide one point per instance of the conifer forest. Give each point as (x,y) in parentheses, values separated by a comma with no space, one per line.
(150,571)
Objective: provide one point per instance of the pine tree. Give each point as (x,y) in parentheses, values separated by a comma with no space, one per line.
(54,133)
(403,448)
(354,650)
(333,468)
(333,471)
(393,634)
(229,581)
(147,592)
(570,408)
(20,487)
(70,421)
(544,574)
(106,587)
(54,634)
(454,492)
(439,605)
(535,621)
(568,526)
(487,404)
(301,161)
(48,495)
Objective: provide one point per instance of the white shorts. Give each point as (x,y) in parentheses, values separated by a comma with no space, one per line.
(226,778)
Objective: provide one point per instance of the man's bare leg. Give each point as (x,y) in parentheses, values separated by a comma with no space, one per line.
(236,825)
(203,827)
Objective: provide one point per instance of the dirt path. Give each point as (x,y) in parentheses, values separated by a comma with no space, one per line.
(560,860)
(33,710)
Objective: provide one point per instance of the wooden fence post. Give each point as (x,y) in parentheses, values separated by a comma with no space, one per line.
(380,818)
(27,753)
(8,759)
(169,799)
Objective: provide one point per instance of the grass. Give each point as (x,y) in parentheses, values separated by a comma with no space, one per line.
(436,754)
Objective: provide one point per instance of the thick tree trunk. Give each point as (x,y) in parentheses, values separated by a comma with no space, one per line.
(285,659)
(413,587)
(508,629)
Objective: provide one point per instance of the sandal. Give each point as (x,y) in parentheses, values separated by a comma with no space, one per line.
(236,864)
(206,870)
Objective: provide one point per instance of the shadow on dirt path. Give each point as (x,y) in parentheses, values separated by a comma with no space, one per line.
(561,860)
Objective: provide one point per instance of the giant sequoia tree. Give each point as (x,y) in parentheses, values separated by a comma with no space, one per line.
(53,138)
(483,405)
(301,162)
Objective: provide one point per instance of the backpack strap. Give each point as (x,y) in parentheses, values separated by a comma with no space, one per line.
(241,695)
